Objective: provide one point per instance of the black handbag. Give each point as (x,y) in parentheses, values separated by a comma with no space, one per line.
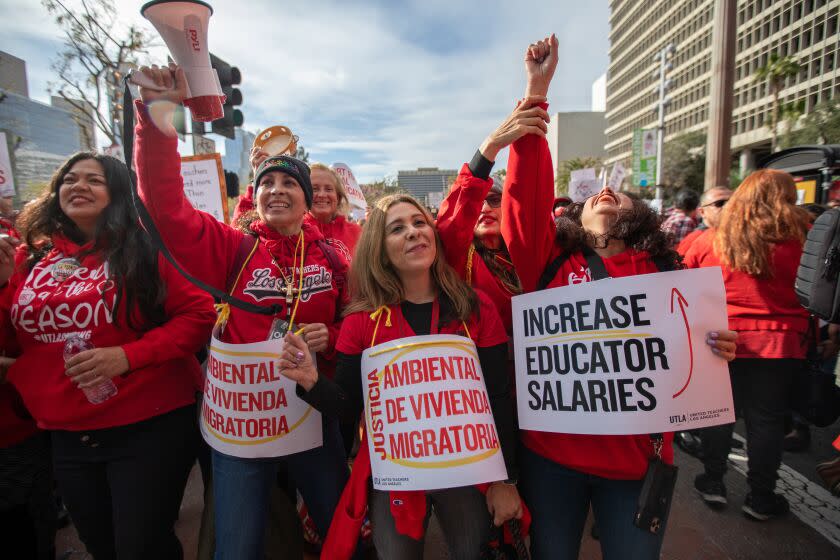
(816,396)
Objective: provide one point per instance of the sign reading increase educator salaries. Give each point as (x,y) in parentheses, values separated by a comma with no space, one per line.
(428,418)
(622,355)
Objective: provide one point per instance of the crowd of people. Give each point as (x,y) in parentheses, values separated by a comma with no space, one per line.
(102,340)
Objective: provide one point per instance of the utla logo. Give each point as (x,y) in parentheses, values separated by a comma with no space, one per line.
(192,36)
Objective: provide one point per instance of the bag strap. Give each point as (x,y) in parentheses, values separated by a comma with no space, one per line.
(337,264)
(551,271)
(154,233)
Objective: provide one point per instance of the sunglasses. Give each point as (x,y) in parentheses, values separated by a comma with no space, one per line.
(493,200)
(717,203)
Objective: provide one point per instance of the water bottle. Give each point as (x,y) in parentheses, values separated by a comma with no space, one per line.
(100,392)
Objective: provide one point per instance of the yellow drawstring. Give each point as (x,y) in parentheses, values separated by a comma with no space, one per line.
(223,309)
(470,253)
(300,243)
(377,315)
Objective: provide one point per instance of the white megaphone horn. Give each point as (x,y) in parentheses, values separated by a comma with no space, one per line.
(183,26)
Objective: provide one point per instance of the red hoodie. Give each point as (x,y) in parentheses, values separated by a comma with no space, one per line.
(207,248)
(38,313)
(340,233)
(456,221)
(770,321)
(408,508)
(529,230)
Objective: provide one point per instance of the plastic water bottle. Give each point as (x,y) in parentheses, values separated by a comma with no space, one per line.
(100,392)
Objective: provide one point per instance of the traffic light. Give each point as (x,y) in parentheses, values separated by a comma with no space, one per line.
(232,183)
(229,76)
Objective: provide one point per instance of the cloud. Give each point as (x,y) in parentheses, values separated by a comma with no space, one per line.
(385,86)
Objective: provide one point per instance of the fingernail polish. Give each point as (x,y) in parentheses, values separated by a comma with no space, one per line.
(714,334)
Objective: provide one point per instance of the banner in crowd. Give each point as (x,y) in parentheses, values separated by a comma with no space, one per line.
(355,196)
(204,184)
(7,177)
(250,409)
(428,417)
(644,157)
(622,355)
(583,183)
(617,177)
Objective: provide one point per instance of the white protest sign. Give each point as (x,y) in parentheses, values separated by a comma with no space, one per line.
(7,178)
(355,196)
(204,184)
(250,409)
(623,355)
(583,184)
(617,177)
(428,417)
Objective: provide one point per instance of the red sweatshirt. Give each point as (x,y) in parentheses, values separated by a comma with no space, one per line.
(770,321)
(456,221)
(207,248)
(39,311)
(340,233)
(529,230)
(408,508)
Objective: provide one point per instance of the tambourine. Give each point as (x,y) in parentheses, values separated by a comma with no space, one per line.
(277,140)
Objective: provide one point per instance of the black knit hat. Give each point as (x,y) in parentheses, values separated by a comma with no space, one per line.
(291,166)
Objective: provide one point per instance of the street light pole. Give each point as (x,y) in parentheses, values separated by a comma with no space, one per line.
(664,66)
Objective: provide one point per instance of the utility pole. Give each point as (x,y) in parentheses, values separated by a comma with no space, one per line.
(719,138)
(665,66)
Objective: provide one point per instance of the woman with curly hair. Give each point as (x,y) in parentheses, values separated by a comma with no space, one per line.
(562,474)
(758,245)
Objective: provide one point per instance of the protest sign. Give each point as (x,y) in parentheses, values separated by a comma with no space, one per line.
(7,178)
(622,355)
(616,177)
(583,184)
(644,157)
(428,417)
(204,184)
(250,409)
(355,196)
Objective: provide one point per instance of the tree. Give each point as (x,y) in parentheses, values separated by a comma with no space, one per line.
(302,154)
(383,187)
(565,168)
(775,72)
(820,126)
(97,52)
(684,161)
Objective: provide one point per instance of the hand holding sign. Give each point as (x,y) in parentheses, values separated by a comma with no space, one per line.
(296,362)
(723,343)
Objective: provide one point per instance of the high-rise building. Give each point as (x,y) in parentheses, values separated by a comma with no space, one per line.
(576,134)
(425,180)
(804,29)
(237,152)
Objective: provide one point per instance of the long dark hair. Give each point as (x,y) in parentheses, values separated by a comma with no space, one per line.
(503,270)
(118,237)
(638,227)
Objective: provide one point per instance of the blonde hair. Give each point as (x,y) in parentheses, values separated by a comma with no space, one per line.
(762,211)
(373,280)
(343,201)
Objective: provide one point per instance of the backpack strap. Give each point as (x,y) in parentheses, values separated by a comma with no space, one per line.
(243,255)
(337,264)
(596,267)
(551,270)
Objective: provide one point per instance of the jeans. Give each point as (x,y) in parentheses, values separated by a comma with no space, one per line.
(761,391)
(123,486)
(559,499)
(463,517)
(242,488)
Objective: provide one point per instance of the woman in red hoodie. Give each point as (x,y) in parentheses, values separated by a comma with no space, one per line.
(89,274)
(563,474)
(276,258)
(758,245)
(403,288)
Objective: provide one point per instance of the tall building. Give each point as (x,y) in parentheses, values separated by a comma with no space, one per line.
(425,180)
(804,29)
(237,152)
(576,134)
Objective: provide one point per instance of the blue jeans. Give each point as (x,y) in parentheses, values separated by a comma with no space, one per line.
(559,500)
(242,487)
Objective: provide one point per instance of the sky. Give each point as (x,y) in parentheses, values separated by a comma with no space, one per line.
(379,85)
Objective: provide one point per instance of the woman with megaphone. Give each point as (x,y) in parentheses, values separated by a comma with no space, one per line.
(274,258)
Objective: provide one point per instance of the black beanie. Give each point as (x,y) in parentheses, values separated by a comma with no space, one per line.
(291,166)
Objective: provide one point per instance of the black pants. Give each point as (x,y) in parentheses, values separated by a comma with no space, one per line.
(123,486)
(761,390)
(27,505)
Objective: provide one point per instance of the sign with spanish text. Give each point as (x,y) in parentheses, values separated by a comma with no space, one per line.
(355,196)
(623,355)
(7,177)
(428,418)
(204,184)
(250,409)
(644,157)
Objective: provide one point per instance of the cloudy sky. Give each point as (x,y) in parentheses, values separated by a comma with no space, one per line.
(381,85)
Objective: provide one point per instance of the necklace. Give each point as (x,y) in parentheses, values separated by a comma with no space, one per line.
(292,294)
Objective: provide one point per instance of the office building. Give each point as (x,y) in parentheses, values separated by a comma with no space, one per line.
(425,180)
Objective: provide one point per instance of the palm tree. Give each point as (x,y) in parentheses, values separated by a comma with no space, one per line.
(775,72)
(565,168)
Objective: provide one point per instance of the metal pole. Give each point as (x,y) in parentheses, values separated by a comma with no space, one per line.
(660,136)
